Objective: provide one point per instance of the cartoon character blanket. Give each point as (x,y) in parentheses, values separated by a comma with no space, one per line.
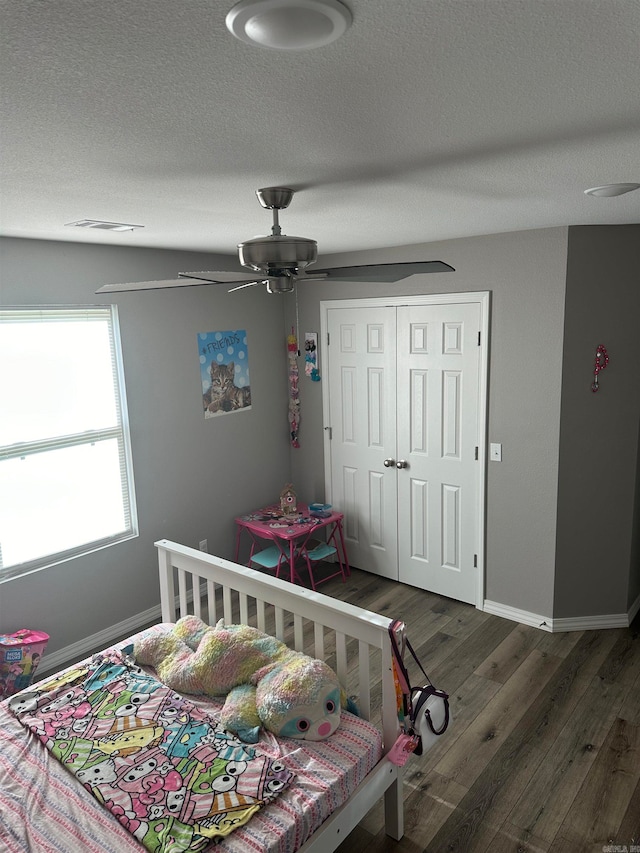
(170,774)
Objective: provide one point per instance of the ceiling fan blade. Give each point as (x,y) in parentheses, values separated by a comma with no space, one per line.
(383,272)
(152,285)
(217,277)
(186,279)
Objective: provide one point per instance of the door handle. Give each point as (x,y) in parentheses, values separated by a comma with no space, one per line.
(402,463)
(389,463)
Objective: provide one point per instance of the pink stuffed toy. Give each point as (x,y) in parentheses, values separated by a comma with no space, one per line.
(265,682)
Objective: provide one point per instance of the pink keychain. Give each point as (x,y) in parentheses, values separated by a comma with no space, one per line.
(402,749)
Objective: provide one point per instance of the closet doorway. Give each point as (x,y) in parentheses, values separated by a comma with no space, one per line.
(404,411)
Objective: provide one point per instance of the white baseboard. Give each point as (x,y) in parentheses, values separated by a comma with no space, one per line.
(572,623)
(633,610)
(76,651)
(516,615)
(590,623)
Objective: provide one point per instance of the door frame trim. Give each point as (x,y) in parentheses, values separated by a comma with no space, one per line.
(483,299)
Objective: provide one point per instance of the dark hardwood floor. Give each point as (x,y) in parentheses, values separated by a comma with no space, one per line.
(543,755)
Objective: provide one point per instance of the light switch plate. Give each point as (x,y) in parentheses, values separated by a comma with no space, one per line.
(496,452)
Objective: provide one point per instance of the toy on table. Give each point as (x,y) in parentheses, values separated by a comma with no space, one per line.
(320,510)
(288,501)
(266,683)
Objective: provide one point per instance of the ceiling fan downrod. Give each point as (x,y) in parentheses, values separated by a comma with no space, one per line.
(275,199)
(277,253)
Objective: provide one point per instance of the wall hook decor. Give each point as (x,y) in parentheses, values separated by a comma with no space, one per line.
(602,360)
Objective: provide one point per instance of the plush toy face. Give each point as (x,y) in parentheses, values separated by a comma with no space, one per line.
(315,721)
(299,698)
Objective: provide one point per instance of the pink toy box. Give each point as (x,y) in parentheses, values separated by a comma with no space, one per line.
(20,655)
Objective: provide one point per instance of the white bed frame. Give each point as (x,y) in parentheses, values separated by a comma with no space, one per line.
(268,600)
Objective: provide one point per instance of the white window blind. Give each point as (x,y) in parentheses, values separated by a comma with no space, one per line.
(66,483)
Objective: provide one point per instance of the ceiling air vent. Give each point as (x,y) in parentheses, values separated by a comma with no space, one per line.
(104,226)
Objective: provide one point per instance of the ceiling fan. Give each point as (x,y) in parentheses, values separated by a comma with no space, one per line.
(279,262)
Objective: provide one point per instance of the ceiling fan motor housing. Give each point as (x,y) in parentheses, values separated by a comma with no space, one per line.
(271,254)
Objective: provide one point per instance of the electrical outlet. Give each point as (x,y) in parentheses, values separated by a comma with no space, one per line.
(204,546)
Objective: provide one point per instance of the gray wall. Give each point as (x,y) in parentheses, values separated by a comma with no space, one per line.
(634,573)
(525,272)
(192,476)
(597,568)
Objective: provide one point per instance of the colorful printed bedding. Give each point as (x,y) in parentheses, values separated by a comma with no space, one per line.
(161,765)
(44,808)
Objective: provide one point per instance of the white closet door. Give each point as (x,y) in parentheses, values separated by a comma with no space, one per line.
(362,368)
(437,393)
(404,406)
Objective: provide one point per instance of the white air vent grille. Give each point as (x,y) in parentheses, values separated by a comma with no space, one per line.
(104,226)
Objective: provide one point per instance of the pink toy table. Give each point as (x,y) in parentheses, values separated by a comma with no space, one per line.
(294,536)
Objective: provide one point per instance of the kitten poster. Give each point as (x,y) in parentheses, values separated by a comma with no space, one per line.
(224,372)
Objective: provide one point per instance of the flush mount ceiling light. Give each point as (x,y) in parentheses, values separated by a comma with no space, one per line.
(288,24)
(104,226)
(610,190)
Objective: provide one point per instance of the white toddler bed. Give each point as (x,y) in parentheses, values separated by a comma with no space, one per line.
(43,807)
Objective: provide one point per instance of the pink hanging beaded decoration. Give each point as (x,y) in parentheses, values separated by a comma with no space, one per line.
(602,360)
(294,394)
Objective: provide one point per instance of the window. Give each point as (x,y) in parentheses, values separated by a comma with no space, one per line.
(66,483)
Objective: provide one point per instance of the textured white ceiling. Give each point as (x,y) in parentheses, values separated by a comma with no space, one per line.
(425,121)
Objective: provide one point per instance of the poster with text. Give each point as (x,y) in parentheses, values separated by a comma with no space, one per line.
(224,372)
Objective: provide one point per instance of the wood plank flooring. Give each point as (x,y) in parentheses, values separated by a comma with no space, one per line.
(543,755)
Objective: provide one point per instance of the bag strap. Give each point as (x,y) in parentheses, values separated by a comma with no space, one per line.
(416,659)
(403,674)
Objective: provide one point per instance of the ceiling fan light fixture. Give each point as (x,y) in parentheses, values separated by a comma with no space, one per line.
(288,24)
(611,190)
(280,284)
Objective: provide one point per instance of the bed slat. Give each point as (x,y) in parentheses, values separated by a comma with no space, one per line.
(364,681)
(212,615)
(279,613)
(227,607)
(197,603)
(182,592)
(261,616)
(318,640)
(244,609)
(341,657)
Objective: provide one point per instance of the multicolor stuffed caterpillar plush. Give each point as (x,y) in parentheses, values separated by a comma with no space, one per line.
(266,683)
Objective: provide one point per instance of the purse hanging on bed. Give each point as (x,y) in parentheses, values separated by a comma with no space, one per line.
(426,709)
